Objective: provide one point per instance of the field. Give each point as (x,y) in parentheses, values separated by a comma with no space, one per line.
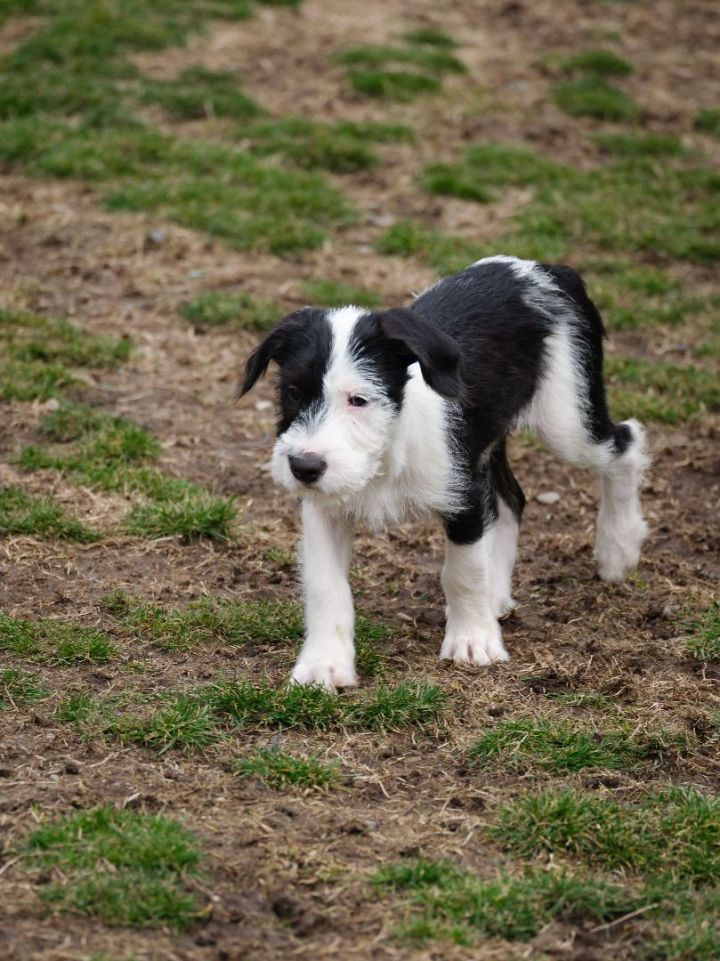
(175,176)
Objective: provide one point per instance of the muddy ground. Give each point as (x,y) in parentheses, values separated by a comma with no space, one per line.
(287,873)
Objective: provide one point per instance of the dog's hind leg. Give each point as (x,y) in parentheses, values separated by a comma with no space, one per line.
(471,581)
(569,413)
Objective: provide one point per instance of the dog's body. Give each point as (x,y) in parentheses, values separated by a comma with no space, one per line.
(385,414)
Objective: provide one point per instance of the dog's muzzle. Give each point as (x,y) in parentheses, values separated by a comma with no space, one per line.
(308,467)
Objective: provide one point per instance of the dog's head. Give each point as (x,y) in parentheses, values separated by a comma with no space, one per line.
(341,390)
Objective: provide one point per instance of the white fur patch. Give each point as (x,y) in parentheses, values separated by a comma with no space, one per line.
(472,634)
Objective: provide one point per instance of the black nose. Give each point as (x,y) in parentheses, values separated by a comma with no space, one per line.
(307,467)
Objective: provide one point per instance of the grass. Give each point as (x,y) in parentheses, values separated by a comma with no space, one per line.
(332,293)
(600,63)
(279,770)
(216,308)
(38,354)
(19,687)
(431,37)
(192,516)
(401,72)
(197,717)
(340,147)
(21,513)
(671,831)
(456,905)
(594,97)
(632,205)
(241,623)
(445,253)
(54,642)
(111,454)
(563,746)
(640,144)
(124,868)
(632,296)
(209,620)
(198,93)
(708,121)
(661,392)
(204,185)
(704,642)
(400,85)
(72,99)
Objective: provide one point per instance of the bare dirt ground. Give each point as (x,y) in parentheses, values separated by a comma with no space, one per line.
(287,872)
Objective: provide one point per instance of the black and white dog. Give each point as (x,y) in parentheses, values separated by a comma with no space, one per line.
(390,413)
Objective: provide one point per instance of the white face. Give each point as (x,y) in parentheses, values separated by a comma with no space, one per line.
(349,427)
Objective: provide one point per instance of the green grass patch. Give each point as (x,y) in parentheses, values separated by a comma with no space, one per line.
(434,61)
(600,63)
(209,620)
(197,94)
(39,517)
(400,85)
(199,716)
(673,832)
(703,643)
(203,185)
(445,253)
(708,121)
(341,147)
(194,515)
(332,293)
(54,642)
(226,621)
(19,687)
(660,392)
(448,903)
(564,746)
(279,770)
(399,72)
(216,308)
(431,37)
(634,204)
(124,868)
(593,96)
(37,354)
(639,144)
(632,296)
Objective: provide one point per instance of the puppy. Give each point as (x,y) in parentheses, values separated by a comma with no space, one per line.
(387,414)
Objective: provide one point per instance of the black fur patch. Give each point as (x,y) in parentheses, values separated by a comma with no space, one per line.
(301,345)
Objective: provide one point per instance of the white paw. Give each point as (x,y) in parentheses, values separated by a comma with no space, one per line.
(329,674)
(480,645)
(617,558)
(502,606)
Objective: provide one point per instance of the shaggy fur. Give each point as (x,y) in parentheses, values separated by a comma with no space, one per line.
(385,414)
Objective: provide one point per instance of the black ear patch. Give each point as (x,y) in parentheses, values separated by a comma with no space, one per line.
(278,346)
(437,354)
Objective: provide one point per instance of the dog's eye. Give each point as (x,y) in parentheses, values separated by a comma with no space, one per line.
(292,392)
(355,401)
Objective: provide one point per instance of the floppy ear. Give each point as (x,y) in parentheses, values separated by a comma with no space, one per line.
(275,347)
(437,354)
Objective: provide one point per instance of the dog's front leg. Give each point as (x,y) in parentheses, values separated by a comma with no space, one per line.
(328,654)
(469,575)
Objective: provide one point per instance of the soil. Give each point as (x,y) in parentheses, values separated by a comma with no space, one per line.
(287,873)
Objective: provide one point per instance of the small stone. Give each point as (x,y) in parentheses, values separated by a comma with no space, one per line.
(263,405)
(155,238)
(547,497)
